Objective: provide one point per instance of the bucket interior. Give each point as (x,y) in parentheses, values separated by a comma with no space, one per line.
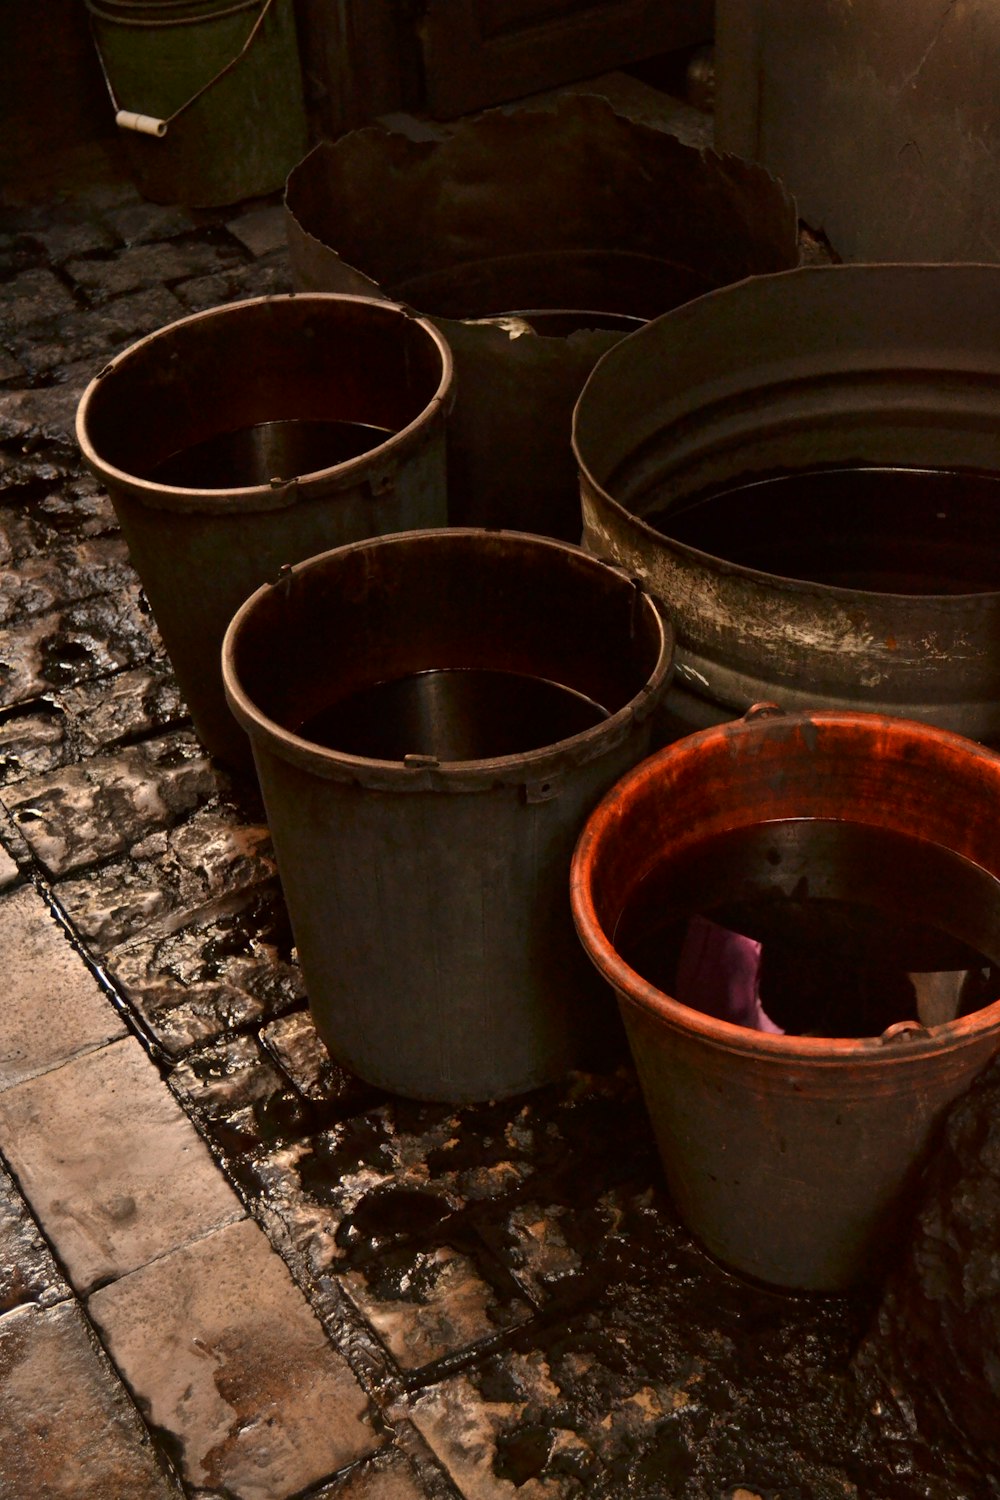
(458,645)
(848,920)
(854,857)
(886,530)
(263,390)
(573,207)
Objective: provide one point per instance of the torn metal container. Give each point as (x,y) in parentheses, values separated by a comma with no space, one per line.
(535,239)
(805,470)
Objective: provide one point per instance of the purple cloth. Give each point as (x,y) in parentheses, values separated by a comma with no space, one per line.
(719,973)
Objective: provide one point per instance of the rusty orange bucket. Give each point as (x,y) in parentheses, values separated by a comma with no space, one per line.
(794,1157)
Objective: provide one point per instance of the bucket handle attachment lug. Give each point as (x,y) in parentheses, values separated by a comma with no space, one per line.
(541,791)
(379,483)
(763,711)
(903,1031)
(283,581)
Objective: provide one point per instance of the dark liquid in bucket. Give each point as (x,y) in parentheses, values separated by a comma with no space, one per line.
(844,914)
(892,531)
(455,714)
(269,450)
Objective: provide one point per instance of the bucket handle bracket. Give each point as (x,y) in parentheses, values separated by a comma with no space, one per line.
(541,791)
(904,1031)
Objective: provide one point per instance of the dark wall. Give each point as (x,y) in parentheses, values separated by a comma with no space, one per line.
(52,94)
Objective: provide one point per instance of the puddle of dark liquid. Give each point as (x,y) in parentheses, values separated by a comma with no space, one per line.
(844,913)
(269,450)
(893,531)
(453,714)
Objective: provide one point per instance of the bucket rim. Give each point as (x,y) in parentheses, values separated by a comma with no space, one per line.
(911,1047)
(263,497)
(527,769)
(143,16)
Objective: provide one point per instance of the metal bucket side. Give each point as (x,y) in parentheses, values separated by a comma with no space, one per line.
(891,365)
(585,209)
(243,134)
(428,901)
(200,553)
(793,1158)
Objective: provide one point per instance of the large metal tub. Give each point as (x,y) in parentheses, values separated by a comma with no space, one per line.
(814,369)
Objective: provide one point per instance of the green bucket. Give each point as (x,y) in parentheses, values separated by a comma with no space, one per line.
(208,94)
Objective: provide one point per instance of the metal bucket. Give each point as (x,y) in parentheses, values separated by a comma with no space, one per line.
(223,440)
(804,374)
(546,236)
(427,893)
(794,1158)
(208,94)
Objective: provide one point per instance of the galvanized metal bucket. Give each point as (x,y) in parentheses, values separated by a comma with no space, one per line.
(816,369)
(428,897)
(792,1157)
(208,94)
(205,434)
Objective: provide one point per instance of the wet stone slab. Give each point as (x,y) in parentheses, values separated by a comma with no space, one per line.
(261,229)
(222,1348)
(97,334)
(295,1044)
(53,574)
(144,266)
(81,814)
(45,414)
(67,1427)
(65,727)
(94,638)
(142,223)
(171,877)
(431,1303)
(105,1209)
(224,970)
(32,299)
(77,508)
(242,1101)
(398,1172)
(53,1009)
(387,1476)
(27,1271)
(678,1380)
(268,279)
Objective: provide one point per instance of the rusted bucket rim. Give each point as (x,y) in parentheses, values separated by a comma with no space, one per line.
(836,365)
(265,496)
(896,1046)
(529,768)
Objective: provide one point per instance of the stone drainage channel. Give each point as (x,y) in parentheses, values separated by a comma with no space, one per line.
(227,1268)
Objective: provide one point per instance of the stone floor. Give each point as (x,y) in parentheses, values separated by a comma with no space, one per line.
(227,1268)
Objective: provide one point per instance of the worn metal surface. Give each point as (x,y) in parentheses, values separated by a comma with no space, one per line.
(569,208)
(882,119)
(200,550)
(428,899)
(833,365)
(793,1158)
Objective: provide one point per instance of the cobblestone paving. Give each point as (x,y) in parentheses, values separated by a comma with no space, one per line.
(228,1268)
